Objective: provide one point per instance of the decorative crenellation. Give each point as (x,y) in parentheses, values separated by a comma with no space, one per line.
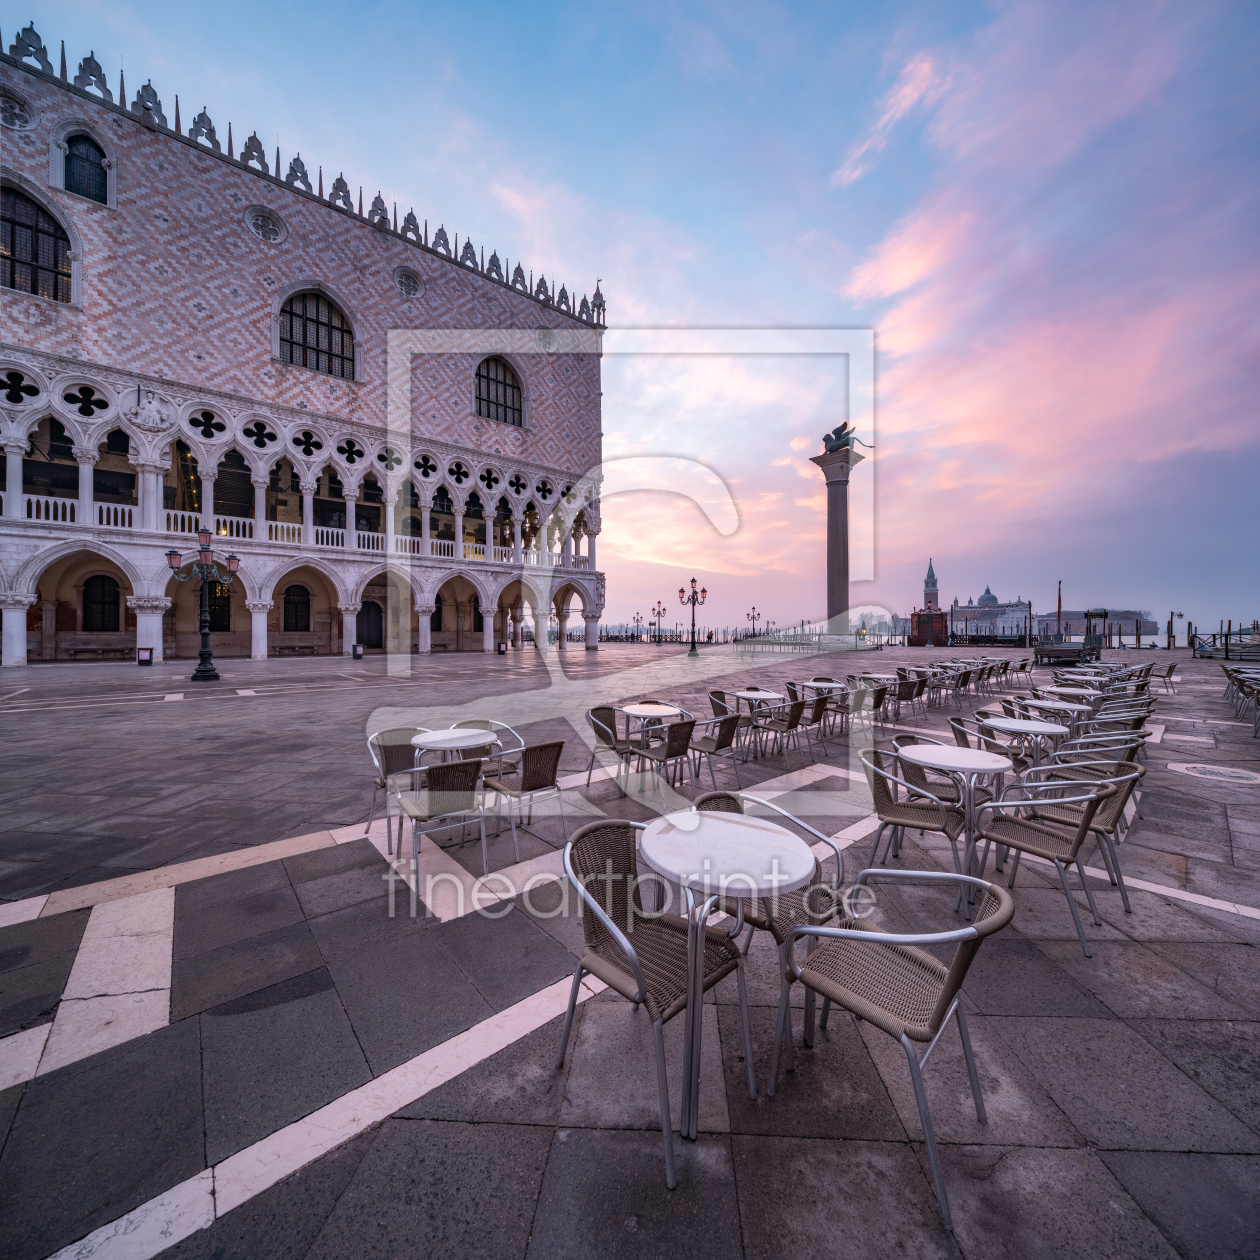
(89,80)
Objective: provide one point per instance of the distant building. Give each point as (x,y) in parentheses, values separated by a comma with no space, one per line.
(992,614)
(929,589)
(1120,620)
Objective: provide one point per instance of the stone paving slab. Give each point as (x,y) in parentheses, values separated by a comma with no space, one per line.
(292,990)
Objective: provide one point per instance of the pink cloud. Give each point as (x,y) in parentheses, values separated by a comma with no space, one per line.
(919,81)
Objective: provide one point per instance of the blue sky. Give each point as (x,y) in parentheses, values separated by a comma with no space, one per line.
(1046,211)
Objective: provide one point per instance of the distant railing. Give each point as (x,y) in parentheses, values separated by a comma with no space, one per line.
(325,537)
(371,542)
(407,545)
(234,526)
(442,547)
(283,532)
(474,551)
(504,555)
(48,509)
(182,522)
(580,562)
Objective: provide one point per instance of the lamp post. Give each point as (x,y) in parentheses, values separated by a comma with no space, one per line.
(753,617)
(638,623)
(658,611)
(693,599)
(204,568)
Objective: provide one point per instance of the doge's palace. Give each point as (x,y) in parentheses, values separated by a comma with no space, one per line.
(398,437)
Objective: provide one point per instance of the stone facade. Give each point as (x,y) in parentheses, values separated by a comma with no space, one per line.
(155,400)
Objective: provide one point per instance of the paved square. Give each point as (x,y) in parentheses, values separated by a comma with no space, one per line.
(215,1041)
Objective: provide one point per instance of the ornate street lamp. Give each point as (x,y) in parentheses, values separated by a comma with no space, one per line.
(204,568)
(638,624)
(754,617)
(693,599)
(658,611)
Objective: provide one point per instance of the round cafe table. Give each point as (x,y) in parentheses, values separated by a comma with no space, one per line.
(455,740)
(755,696)
(645,712)
(714,855)
(1037,732)
(967,766)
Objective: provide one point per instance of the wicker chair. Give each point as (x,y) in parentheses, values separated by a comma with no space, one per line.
(603,723)
(673,750)
(640,954)
(1028,828)
(540,765)
(894,984)
(926,812)
(449,796)
(784,725)
(391,751)
(500,758)
(721,743)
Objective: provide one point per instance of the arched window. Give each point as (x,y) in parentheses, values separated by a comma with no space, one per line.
(297,610)
(369,625)
(100,604)
(435,618)
(498,392)
(34,249)
(85,170)
(315,334)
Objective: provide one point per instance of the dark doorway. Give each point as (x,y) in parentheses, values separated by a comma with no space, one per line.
(368,625)
(100,603)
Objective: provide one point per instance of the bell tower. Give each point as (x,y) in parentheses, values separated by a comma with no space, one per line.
(929,589)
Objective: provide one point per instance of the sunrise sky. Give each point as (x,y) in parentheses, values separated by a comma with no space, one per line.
(1046,211)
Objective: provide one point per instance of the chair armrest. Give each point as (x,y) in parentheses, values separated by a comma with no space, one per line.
(778,809)
(597,910)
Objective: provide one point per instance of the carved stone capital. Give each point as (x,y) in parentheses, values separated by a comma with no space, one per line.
(85,454)
(146,466)
(16,447)
(348,608)
(308,487)
(148,603)
(425,610)
(259,605)
(592,616)
(15,599)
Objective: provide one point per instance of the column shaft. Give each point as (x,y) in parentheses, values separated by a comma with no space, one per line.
(87,469)
(308,514)
(14,504)
(424,612)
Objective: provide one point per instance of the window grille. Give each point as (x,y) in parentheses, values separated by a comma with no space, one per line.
(297,610)
(315,334)
(498,392)
(100,604)
(85,170)
(220,609)
(34,249)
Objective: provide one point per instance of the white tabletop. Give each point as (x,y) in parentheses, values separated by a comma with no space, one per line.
(651,710)
(1072,691)
(959,760)
(1058,706)
(1023,726)
(449,740)
(759,695)
(715,852)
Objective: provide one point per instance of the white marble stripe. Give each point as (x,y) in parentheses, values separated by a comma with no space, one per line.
(21,911)
(120,984)
(19,1054)
(195,1204)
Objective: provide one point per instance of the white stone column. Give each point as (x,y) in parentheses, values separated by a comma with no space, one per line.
(14,504)
(260,507)
(562,629)
(540,632)
(459,537)
(14,607)
(349,627)
(390,502)
(425,509)
(149,610)
(206,515)
(424,612)
(568,548)
(308,489)
(258,610)
(516,541)
(590,548)
(518,628)
(352,534)
(487,630)
(87,457)
(592,631)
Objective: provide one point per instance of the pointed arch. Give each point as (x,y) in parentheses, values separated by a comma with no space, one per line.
(26,579)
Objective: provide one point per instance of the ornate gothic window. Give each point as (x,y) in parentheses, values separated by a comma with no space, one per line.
(34,249)
(85,169)
(100,604)
(315,334)
(297,610)
(498,392)
(220,609)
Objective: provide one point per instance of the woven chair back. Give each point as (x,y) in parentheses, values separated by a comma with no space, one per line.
(604,859)
(719,702)
(678,738)
(726,731)
(453,787)
(539,765)
(877,764)
(994,911)
(603,721)
(393,749)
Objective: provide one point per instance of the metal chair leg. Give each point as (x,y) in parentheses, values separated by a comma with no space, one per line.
(743,1012)
(971,1062)
(568,1016)
(1067,892)
(662,1087)
(925,1118)
(778,1039)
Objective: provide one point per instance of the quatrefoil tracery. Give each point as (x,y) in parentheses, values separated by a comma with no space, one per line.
(308,443)
(351,450)
(390,458)
(86,400)
(426,466)
(488,479)
(259,434)
(17,390)
(206,423)
(459,474)
(517,484)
